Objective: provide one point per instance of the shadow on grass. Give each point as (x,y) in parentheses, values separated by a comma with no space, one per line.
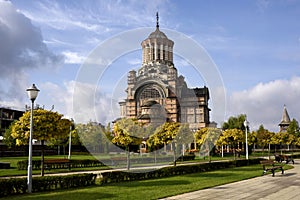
(154,182)
(73,194)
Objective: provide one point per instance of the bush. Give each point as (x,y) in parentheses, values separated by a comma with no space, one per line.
(23,164)
(36,164)
(45,183)
(187,157)
(120,176)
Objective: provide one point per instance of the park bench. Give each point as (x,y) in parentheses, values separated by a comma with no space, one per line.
(286,158)
(57,164)
(270,165)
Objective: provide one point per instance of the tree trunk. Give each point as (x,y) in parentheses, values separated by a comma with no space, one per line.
(174,153)
(43,158)
(222,149)
(155,155)
(128,158)
(208,153)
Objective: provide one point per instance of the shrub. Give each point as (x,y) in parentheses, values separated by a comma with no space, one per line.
(45,183)
(120,176)
(36,164)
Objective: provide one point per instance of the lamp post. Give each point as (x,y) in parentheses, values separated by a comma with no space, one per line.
(246,124)
(70,139)
(32,94)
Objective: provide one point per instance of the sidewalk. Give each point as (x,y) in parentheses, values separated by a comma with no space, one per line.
(284,186)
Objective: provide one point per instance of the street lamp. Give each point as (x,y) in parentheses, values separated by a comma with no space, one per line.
(246,124)
(32,94)
(70,138)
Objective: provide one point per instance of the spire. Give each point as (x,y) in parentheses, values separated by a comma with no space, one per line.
(285,116)
(157,22)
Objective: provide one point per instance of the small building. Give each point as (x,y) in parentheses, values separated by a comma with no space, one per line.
(7,116)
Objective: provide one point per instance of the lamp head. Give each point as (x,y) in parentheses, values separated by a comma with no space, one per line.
(246,123)
(32,92)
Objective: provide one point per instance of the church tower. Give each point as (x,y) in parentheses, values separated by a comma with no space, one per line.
(156,94)
(285,121)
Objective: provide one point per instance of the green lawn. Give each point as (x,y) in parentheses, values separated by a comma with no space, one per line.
(13,171)
(150,189)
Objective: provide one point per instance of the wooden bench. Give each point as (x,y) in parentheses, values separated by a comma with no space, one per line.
(270,165)
(286,158)
(57,164)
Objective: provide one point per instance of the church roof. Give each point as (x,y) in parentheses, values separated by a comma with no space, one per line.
(157,34)
(285,117)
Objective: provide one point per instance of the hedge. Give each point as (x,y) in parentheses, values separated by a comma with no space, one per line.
(120,176)
(39,184)
(36,164)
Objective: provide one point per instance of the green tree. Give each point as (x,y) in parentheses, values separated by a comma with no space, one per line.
(235,122)
(264,138)
(8,139)
(47,126)
(92,136)
(293,128)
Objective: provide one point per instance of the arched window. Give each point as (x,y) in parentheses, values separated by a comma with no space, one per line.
(150,92)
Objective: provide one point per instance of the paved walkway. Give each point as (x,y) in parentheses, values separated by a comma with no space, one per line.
(282,186)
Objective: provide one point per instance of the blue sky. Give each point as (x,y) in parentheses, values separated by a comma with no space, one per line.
(255,45)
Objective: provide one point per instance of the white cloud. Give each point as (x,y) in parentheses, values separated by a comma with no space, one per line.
(94,16)
(81,101)
(22,48)
(73,57)
(263,104)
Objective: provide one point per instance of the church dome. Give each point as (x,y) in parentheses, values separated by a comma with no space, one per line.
(157,34)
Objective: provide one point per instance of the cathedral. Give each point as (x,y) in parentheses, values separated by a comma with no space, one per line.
(157,94)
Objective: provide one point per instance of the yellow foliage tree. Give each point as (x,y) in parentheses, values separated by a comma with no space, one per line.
(232,137)
(47,126)
(207,138)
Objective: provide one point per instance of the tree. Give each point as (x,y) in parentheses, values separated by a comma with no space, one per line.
(232,137)
(8,139)
(264,137)
(235,122)
(47,126)
(207,138)
(163,135)
(283,138)
(293,128)
(184,136)
(126,133)
(92,136)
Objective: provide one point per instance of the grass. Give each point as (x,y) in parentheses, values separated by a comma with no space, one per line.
(151,189)
(13,171)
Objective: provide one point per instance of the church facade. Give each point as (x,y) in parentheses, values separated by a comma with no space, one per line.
(157,94)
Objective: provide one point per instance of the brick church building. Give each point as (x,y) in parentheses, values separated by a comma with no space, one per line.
(157,94)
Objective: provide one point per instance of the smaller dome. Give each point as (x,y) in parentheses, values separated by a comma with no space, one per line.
(157,34)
